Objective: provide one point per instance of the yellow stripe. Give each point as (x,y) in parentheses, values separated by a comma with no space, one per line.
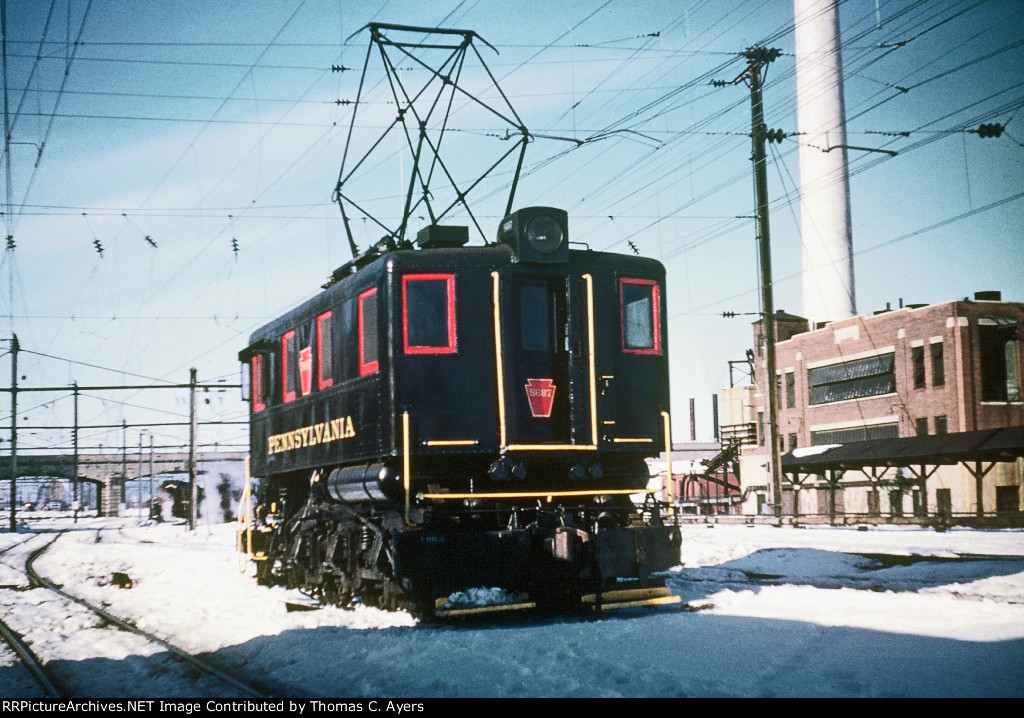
(535,494)
(456,442)
(590,351)
(628,594)
(405,462)
(442,612)
(668,458)
(665,600)
(550,447)
(633,441)
(497,360)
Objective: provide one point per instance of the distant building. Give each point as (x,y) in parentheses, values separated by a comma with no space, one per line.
(704,479)
(915,371)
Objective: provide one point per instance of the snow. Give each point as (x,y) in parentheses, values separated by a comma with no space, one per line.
(767,611)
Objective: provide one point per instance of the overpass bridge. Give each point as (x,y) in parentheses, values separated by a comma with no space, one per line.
(111,483)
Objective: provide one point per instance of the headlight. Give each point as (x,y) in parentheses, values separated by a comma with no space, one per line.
(544,234)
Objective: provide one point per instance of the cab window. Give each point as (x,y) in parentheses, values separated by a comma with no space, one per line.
(428,313)
(640,306)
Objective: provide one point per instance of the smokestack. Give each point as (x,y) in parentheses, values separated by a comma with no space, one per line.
(828,291)
(693,419)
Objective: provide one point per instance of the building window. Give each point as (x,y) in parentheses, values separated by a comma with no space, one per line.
(368,363)
(917,358)
(938,365)
(999,357)
(428,313)
(853,379)
(324,352)
(258,382)
(792,441)
(289,367)
(1007,499)
(790,390)
(640,305)
(941,426)
(921,426)
(856,433)
(760,429)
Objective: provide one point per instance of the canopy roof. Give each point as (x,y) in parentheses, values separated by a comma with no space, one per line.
(1004,444)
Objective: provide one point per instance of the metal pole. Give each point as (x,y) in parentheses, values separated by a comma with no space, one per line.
(74,467)
(151,475)
(124,466)
(14,430)
(139,478)
(755,57)
(192,451)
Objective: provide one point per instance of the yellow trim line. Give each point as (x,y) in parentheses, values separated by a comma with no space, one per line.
(663,601)
(668,457)
(535,494)
(443,612)
(497,358)
(628,594)
(633,441)
(454,442)
(405,462)
(550,447)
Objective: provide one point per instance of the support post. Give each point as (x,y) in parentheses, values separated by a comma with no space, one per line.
(151,475)
(14,430)
(192,489)
(74,465)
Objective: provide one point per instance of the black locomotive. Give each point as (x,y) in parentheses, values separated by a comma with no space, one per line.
(445,417)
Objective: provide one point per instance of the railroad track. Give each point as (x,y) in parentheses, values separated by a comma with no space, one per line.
(51,685)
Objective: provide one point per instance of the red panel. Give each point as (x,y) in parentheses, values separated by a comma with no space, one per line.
(324,379)
(259,402)
(449,280)
(365,367)
(286,339)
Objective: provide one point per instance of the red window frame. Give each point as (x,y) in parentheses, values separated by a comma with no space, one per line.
(365,367)
(449,280)
(259,399)
(286,395)
(322,381)
(655,316)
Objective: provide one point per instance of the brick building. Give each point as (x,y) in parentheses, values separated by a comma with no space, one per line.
(914,371)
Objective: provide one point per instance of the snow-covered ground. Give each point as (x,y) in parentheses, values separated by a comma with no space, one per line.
(815,611)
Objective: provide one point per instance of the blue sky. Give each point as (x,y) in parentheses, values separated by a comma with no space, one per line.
(196,124)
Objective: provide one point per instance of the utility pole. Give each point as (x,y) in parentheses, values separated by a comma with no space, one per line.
(139,479)
(14,430)
(151,475)
(124,466)
(192,451)
(74,466)
(756,58)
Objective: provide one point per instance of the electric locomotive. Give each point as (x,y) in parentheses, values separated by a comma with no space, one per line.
(444,417)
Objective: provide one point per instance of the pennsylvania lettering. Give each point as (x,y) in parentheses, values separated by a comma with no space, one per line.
(322,433)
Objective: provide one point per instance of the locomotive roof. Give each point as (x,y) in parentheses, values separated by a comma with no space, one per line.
(495,255)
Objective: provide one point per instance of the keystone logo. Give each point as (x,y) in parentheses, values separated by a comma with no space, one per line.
(541,394)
